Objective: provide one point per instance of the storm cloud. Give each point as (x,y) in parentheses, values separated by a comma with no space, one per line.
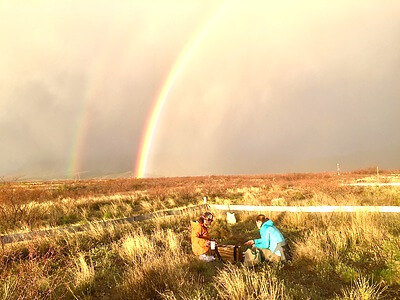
(273,87)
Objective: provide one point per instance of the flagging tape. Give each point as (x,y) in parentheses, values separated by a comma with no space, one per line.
(311,209)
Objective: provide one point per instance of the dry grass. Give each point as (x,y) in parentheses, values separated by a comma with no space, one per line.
(363,289)
(245,283)
(335,238)
(334,254)
(84,273)
(29,206)
(154,262)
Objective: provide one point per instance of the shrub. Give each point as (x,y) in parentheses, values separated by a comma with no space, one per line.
(362,289)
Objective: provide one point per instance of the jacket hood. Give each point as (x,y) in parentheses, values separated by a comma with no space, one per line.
(268,223)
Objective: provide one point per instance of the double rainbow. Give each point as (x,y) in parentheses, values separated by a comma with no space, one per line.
(74,162)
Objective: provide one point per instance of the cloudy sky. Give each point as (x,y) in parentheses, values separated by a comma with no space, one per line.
(265,87)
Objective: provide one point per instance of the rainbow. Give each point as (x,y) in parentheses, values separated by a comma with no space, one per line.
(97,78)
(173,75)
(81,131)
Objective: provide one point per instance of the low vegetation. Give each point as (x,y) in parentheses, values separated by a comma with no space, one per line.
(26,206)
(335,256)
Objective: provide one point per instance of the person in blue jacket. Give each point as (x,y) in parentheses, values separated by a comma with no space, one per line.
(272,243)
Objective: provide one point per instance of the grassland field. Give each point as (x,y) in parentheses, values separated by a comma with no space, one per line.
(336,255)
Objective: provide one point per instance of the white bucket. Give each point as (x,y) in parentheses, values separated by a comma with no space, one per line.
(230,218)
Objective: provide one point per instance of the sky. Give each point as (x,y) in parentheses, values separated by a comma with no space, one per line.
(243,87)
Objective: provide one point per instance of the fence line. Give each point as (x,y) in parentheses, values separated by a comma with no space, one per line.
(316,209)
(25,236)
(373,184)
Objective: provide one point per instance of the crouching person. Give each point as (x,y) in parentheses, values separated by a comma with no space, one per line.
(200,237)
(272,245)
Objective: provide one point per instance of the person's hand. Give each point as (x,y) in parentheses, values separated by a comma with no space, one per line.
(249,243)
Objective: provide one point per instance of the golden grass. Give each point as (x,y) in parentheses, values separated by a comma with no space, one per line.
(154,261)
(10,288)
(331,240)
(362,289)
(334,254)
(84,273)
(136,247)
(239,283)
(30,206)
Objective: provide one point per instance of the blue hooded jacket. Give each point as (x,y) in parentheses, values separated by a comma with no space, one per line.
(270,237)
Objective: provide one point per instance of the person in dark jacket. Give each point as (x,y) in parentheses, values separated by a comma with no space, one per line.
(272,243)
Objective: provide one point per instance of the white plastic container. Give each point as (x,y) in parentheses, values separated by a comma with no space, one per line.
(212,245)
